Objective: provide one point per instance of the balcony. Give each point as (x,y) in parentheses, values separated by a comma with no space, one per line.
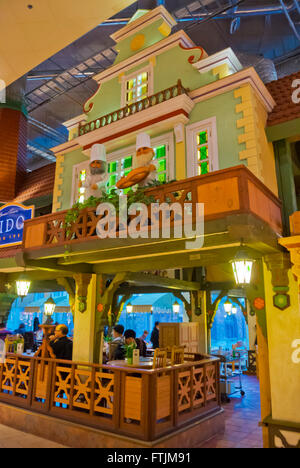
(231,197)
(132,109)
(157,113)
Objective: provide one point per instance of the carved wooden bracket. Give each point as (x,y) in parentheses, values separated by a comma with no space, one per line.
(279,265)
(82,281)
(67,284)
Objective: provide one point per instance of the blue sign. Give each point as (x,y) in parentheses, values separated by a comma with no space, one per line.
(12,219)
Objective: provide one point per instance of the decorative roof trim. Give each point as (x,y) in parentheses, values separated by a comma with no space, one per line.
(226,56)
(235,81)
(179,38)
(143,21)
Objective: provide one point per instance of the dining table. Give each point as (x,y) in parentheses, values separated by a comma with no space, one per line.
(144,362)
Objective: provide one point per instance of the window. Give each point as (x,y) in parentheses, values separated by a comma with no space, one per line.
(120,164)
(137,86)
(79,175)
(202,148)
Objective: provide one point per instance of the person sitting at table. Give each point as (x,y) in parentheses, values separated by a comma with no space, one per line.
(21,330)
(4,331)
(155,336)
(130,337)
(144,336)
(116,347)
(62,346)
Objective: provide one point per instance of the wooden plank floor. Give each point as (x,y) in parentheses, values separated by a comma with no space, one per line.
(242,416)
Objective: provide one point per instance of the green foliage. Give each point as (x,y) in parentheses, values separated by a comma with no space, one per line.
(137,196)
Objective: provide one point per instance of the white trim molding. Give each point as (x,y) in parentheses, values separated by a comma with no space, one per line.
(143,21)
(191,142)
(156,49)
(226,56)
(124,78)
(235,81)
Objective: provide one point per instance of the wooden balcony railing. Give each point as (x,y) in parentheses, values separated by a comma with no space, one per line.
(132,109)
(223,193)
(144,404)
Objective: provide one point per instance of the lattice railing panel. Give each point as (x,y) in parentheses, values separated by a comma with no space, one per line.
(62,385)
(104,393)
(211,383)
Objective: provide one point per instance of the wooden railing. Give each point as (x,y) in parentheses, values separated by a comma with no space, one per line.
(131,109)
(144,404)
(223,193)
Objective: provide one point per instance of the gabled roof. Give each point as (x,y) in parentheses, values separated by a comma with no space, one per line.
(37,183)
(285,108)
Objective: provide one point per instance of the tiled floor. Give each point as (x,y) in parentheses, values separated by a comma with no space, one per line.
(242,416)
(11,438)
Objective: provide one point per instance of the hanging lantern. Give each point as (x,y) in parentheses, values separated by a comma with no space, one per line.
(176,307)
(234,310)
(242,268)
(23,284)
(49,306)
(129,308)
(228,307)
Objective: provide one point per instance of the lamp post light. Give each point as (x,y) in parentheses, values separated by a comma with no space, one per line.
(129,308)
(242,266)
(234,310)
(176,307)
(228,307)
(49,307)
(23,284)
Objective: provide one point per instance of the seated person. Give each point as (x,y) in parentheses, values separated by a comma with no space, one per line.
(116,350)
(4,331)
(62,346)
(21,330)
(130,337)
(144,336)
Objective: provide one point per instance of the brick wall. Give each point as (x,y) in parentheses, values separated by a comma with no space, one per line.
(13,142)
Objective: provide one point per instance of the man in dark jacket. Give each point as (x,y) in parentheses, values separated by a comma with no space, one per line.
(155,336)
(60,343)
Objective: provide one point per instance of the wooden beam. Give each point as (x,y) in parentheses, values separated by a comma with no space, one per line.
(142,279)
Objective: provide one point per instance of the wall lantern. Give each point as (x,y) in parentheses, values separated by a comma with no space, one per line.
(176,307)
(129,308)
(49,307)
(23,284)
(228,307)
(242,268)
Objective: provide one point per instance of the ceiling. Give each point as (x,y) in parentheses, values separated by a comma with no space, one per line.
(57,88)
(31,30)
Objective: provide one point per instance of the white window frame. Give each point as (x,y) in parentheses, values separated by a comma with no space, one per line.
(148,69)
(165,139)
(75,178)
(191,140)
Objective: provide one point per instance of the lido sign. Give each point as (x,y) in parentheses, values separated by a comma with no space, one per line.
(12,219)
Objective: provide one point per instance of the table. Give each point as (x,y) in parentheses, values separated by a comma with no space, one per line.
(145,363)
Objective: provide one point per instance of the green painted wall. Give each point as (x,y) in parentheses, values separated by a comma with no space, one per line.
(283,130)
(223,108)
(152,36)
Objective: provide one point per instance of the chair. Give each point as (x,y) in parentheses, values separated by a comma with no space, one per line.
(160,358)
(177,355)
